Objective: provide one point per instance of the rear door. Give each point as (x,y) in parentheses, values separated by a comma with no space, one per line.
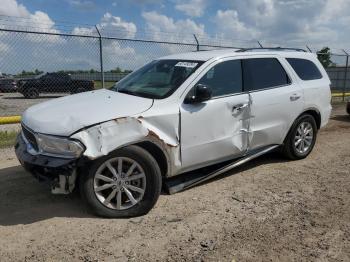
(277,99)
(216,130)
(61,82)
(45,83)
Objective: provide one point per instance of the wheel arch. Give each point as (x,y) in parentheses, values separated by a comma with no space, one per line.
(315,113)
(158,154)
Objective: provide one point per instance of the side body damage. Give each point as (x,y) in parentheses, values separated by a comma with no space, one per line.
(161,130)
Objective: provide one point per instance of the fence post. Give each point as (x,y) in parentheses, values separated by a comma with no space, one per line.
(195,38)
(101,58)
(345,73)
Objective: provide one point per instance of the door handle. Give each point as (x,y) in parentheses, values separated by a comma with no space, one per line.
(294,97)
(238,108)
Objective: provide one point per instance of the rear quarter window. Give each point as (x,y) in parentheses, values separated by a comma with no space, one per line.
(305,69)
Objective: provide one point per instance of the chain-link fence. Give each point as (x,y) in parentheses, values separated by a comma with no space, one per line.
(339,72)
(39,65)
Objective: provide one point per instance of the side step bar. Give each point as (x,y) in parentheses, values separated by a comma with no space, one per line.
(185,181)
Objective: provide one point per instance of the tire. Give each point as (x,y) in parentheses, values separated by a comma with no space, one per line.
(31,93)
(294,150)
(150,183)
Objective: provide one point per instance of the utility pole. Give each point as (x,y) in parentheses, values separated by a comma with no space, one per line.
(195,38)
(101,58)
(345,73)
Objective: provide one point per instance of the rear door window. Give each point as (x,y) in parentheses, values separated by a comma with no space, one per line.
(262,73)
(305,69)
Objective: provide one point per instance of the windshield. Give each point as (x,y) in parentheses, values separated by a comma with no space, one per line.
(158,79)
(40,75)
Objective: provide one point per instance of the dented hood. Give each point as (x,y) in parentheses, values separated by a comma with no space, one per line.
(64,116)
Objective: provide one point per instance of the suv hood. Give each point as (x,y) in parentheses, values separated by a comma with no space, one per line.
(66,115)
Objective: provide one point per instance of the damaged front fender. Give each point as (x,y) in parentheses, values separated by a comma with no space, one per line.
(106,137)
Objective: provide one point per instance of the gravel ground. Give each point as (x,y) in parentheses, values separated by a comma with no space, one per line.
(10,127)
(269,210)
(12,104)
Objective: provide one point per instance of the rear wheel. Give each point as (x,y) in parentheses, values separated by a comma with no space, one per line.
(301,138)
(125,183)
(31,93)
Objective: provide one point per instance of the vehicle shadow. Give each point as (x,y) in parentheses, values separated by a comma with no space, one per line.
(273,157)
(269,158)
(342,118)
(24,201)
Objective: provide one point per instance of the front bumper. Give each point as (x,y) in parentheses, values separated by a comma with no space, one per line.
(59,173)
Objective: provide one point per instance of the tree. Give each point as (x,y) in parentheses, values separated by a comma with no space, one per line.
(324,55)
(117,70)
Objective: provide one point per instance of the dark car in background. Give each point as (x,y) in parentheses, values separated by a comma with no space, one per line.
(8,85)
(53,83)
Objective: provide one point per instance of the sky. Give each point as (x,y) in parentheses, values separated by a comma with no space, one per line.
(294,23)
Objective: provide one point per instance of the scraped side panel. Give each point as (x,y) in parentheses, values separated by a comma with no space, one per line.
(213,131)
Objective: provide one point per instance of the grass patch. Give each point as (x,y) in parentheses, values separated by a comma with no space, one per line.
(98,84)
(7,138)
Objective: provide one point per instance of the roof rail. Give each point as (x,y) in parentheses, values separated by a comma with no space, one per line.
(272,48)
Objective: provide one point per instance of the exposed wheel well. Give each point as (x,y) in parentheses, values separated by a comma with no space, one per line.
(316,115)
(158,155)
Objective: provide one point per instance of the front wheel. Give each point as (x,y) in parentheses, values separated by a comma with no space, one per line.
(301,138)
(125,183)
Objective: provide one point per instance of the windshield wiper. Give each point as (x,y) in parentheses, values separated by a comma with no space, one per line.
(156,85)
(127,92)
(145,95)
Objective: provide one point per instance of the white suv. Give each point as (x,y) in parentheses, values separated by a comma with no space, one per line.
(175,115)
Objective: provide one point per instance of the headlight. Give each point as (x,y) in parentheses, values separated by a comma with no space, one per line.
(59,147)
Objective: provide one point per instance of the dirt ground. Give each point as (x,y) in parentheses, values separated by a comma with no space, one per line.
(269,210)
(12,104)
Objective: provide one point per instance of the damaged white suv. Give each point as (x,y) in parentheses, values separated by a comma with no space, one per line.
(196,115)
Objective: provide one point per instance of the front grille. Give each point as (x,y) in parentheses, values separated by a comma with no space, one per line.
(30,138)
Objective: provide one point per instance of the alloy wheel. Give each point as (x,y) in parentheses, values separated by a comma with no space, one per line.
(119,183)
(304,137)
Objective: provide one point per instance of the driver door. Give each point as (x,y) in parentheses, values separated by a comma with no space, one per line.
(216,130)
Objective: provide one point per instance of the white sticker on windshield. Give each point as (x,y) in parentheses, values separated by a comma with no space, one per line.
(187,64)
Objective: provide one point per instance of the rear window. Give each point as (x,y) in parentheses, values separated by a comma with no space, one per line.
(305,69)
(261,73)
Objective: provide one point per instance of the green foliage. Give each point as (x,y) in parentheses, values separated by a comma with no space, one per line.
(7,138)
(118,70)
(29,73)
(324,55)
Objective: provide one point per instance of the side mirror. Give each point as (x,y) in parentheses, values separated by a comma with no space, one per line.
(201,93)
